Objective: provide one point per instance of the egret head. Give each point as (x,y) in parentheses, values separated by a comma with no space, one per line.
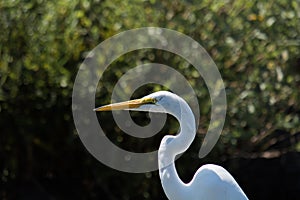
(161,102)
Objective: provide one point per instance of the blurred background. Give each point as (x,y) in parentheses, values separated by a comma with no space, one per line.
(255,44)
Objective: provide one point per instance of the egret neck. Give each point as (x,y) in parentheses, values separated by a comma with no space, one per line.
(173,145)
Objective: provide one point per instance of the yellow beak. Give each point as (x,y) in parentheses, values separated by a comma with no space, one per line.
(126,104)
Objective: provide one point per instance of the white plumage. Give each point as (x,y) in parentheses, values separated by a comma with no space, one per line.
(210,182)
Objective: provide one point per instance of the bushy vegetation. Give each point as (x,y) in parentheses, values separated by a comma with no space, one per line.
(255,44)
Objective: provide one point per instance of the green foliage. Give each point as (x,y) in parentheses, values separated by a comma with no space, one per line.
(255,44)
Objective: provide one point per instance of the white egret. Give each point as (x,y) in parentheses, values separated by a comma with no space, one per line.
(210,181)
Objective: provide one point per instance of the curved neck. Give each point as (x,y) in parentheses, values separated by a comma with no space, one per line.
(187,133)
(173,145)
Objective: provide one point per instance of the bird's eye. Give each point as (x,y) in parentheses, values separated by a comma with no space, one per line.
(152,101)
(159,99)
